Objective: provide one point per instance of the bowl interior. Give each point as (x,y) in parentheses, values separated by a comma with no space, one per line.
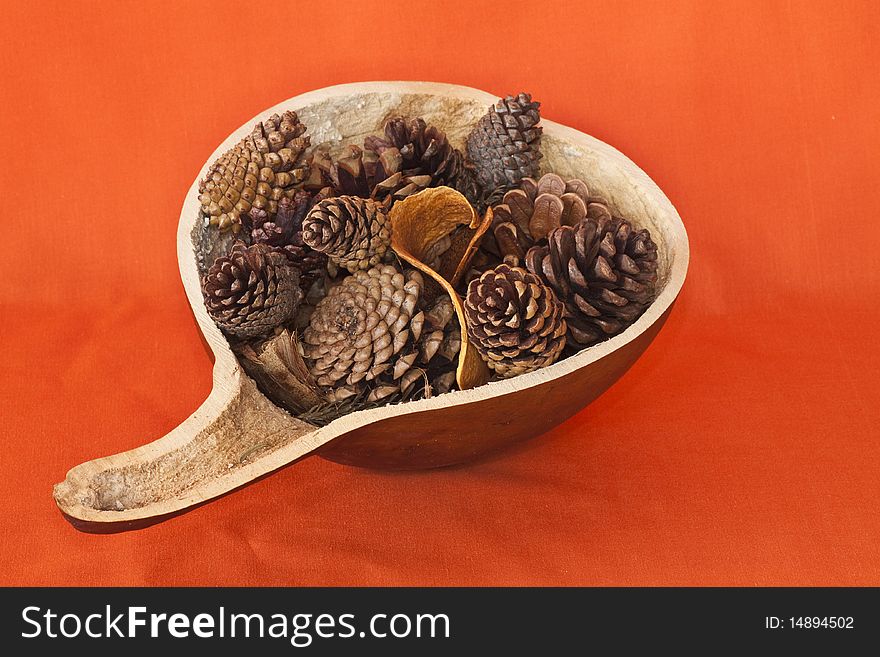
(348,118)
(347,113)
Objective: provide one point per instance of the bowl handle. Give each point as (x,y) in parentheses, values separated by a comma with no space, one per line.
(235,437)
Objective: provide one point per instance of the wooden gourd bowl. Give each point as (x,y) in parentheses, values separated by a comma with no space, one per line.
(238,435)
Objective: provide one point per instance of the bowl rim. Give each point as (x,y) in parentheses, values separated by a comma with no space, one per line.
(225,362)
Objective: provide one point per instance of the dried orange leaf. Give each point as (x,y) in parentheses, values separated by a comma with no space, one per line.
(477,232)
(465,242)
(418,222)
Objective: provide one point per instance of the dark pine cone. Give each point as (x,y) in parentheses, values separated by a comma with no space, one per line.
(356,172)
(251,291)
(280,229)
(605,272)
(514,321)
(354,232)
(415,149)
(504,147)
(284,231)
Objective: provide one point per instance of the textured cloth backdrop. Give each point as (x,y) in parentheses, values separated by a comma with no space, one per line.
(741,449)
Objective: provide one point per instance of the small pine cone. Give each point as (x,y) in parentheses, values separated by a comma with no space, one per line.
(603,269)
(414,149)
(251,291)
(354,232)
(256,173)
(284,231)
(279,229)
(514,321)
(504,147)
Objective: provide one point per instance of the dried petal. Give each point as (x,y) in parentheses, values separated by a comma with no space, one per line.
(420,220)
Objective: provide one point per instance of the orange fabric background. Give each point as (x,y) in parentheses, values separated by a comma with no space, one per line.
(741,449)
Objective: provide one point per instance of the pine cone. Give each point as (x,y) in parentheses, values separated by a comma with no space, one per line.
(251,291)
(415,149)
(437,343)
(279,229)
(504,147)
(356,172)
(603,269)
(258,172)
(354,232)
(284,231)
(529,213)
(514,321)
(368,336)
(318,164)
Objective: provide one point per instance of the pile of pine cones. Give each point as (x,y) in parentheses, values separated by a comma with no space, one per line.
(327,316)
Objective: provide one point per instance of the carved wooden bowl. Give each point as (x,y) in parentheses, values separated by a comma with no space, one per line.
(238,435)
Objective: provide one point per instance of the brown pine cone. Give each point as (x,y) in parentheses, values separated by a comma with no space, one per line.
(530,212)
(414,149)
(437,341)
(364,328)
(251,291)
(279,229)
(354,232)
(368,336)
(605,272)
(514,321)
(356,172)
(504,147)
(284,231)
(258,172)
(318,164)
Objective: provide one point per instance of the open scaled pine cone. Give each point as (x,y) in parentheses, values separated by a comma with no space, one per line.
(356,172)
(251,291)
(369,336)
(423,150)
(528,214)
(604,269)
(514,321)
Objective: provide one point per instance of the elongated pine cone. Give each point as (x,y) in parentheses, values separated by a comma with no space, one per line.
(368,336)
(284,232)
(514,321)
(251,291)
(257,172)
(504,146)
(415,149)
(354,232)
(605,271)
